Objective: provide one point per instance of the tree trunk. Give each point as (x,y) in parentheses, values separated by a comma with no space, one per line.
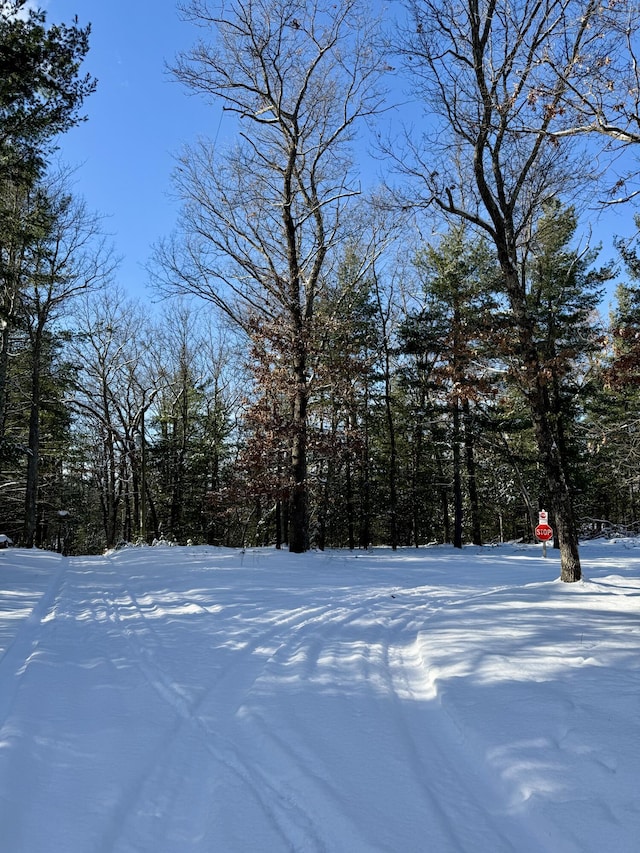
(364,483)
(4,372)
(547,438)
(559,497)
(298,510)
(393,453)
(111,491)
(457,476)
(476,528)
(33,456)
(278,524)
(326,476)
(417,509)
(351,529)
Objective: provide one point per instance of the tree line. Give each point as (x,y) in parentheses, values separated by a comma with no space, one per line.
(354,382)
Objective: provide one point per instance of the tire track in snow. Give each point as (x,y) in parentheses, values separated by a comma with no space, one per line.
(312,787)
(459,779)
(15,659)
(322,786)
(440,767)
(293,823)
(304,639)
(431,750)
(145,646)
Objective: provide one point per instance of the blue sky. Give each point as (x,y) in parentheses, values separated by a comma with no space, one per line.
(138,118)
(137,121)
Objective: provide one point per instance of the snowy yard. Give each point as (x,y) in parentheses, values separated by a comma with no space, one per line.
(201,700)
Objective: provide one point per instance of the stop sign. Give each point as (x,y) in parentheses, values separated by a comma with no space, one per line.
(544,532)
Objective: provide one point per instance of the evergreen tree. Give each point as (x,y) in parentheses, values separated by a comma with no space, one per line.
(41,94)
(448,341)
(492,160)
(564,292)
(613,423)
(41,90)
(340,413)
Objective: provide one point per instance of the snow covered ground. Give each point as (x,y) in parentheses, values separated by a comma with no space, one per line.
(202,700)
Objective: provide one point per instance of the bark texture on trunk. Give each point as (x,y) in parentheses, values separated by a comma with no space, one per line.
(33,456)
(298,509)
(548,441)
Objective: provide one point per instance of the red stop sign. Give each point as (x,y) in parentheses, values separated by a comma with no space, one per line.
(544,532)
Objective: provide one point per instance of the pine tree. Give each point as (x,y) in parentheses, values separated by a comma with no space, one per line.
(448,341)
(41,89)
(343,380)
(41,95)
(613,420)
(564,293)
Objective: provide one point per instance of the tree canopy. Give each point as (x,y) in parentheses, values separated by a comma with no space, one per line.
(41,87)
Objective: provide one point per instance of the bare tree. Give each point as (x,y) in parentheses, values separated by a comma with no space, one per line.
(115,389)
(191,418)
(488,70)
(601,92)
(261,218)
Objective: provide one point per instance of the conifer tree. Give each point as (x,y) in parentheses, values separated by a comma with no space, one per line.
(41,89)
(490,159)
(451,335)
(41,96)
(344,376)
(613,415)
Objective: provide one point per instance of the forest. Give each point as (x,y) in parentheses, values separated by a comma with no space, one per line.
(432,361)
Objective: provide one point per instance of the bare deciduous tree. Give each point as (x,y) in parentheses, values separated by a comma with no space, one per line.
(261,218)
(495,75)
(114,391)
(601,93)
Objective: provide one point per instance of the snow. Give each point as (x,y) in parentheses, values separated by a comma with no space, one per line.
(205,700)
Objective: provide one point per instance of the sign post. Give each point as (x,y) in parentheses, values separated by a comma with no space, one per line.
(543,531)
